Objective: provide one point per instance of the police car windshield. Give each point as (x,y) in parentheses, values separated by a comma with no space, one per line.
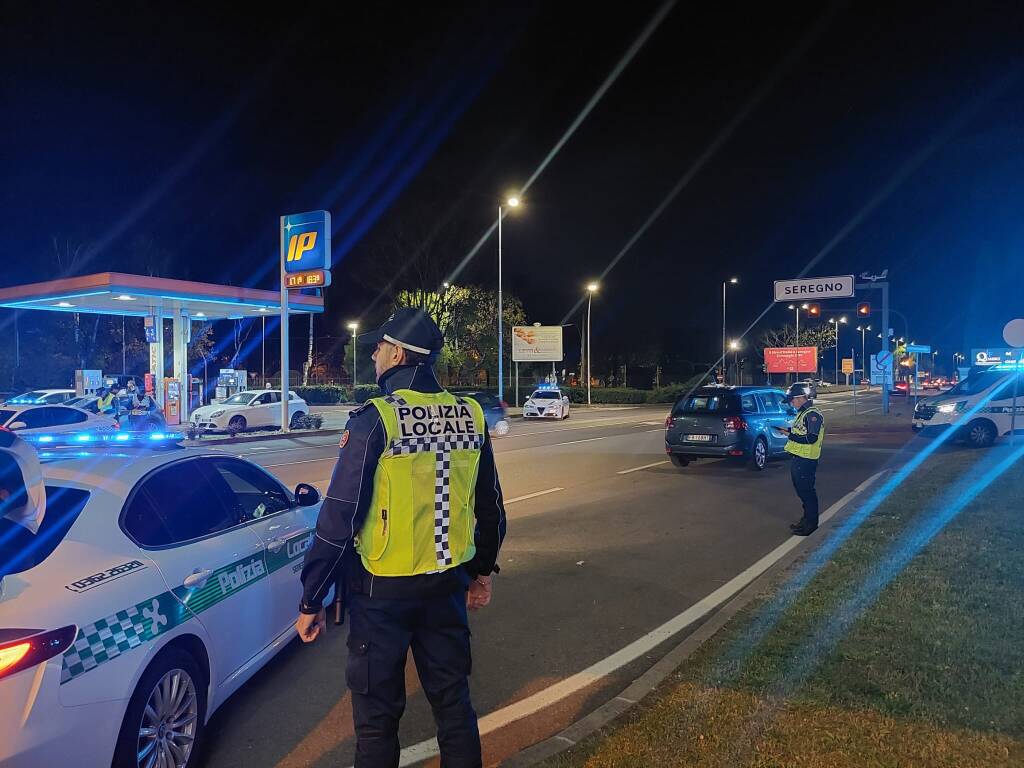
(976,382)
(5,415)
(241,398)
(546,395)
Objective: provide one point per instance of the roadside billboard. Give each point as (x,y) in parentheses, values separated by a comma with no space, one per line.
(537,343)
(791,359)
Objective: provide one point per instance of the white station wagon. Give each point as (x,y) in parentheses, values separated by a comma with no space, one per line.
(138,591)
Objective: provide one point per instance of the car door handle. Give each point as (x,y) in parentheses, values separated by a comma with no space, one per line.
(275,545)
(197,578)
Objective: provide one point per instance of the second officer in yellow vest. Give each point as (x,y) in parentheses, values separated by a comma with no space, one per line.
(414,519)
(805,440)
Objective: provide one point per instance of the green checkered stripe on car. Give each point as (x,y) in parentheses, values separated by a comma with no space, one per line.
(107,638)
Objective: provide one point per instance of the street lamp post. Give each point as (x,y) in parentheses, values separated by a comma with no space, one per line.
(836,323)
(730,281)
(355,351)
(734,345)
(511,202)
(863,358)
(591,290)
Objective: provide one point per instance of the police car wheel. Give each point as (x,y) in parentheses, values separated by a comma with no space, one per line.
(679,461)
(165,718)
(296,418)
(237,424)
(981,433)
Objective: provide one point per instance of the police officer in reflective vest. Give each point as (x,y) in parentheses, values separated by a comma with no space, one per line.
(414,516)
(805,439)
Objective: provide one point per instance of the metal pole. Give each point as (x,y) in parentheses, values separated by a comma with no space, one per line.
(1013,413)
(837,353)
(501,383)
(797,344)
(725,378)
(285,390)
(355,362)
(263,351)
(590,353)
(885,331)
(517,384)
(863,359)
(124,366)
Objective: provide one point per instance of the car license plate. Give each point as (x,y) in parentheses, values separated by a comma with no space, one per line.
(699,438)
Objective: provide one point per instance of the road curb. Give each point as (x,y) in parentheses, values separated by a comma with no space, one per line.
(653,677)
(259,438)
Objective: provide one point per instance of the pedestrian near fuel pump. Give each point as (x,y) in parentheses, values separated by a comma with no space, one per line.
(805,440)
(414,519)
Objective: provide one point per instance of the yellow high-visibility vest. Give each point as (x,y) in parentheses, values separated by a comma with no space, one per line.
(806,450)
(421,516)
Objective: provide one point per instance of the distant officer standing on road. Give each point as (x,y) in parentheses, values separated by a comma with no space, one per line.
(414,515)
(805,439)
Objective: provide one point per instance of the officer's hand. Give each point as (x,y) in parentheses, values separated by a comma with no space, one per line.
(479,593)
(311,625)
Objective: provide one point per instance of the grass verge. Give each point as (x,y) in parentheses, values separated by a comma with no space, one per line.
(927,670)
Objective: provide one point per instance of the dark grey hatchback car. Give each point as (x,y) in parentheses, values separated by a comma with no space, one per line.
(741,423)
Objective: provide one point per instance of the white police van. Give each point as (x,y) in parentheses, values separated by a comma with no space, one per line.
(139,589)
(981,405)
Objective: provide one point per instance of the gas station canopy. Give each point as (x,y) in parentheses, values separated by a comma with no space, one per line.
(180,301)
(114,293)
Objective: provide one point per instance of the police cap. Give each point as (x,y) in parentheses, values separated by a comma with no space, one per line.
(409,328)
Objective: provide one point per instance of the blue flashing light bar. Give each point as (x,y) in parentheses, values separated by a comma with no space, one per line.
(154,439)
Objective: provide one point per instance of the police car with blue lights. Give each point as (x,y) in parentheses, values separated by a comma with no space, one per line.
(546,403)
(981,405)
(139,589)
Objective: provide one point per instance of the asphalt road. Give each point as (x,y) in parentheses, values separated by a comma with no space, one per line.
(606,541)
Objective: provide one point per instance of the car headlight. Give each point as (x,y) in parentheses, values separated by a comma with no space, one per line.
(215,414)
(952,407)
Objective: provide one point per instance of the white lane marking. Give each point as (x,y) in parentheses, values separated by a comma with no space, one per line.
(304,461)
(533,495)
(572,442)
(653,423)
(562,690)
(260,448)
(871,410)
(593,424)
(645,466)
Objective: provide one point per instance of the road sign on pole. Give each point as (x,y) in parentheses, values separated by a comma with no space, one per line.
(839,287)
(305,252)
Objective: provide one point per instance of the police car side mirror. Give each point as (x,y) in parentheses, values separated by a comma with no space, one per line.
(306,495)
(16,425)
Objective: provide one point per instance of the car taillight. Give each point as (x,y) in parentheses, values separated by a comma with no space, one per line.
(669,422)
(734,423)
(29,651)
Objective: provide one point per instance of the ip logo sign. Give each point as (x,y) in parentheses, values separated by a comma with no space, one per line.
(306,241)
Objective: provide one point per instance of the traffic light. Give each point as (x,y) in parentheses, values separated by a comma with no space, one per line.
(863,309)
(814,310)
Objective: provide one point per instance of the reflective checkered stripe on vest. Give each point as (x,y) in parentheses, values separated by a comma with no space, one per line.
(813,450)
(421,517)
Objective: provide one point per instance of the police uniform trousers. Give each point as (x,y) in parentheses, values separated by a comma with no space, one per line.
(382,632)
(803,472)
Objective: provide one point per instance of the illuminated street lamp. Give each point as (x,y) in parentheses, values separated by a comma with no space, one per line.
(353,326)
(591,290)
(836,321)
(730,281)
(734,345)
(863,359)
(510,202)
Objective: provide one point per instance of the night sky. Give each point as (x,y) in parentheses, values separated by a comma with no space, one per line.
(145,132)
